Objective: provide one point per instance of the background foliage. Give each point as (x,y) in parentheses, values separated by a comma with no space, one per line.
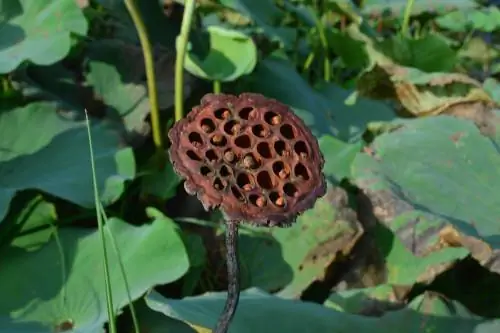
(402,96)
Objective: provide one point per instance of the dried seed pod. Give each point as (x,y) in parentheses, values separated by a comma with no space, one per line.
(257,137)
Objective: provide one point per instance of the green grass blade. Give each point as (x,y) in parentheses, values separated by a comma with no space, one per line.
(100,224)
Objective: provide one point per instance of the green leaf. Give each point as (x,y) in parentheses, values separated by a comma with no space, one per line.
(360,300)
(266,16)
(323,111)
(352,119)
(155,322)
(115,80)
(432,173)
(37,216)
(40,33)
(492,87)
(338,157)
(117,75)
(482,19)
(429,53)
(61,285)
(160,183)
(397,7)
(162,30)
(224,56)
(404,267)
(351,51)
(280,315)
(43,150)
(290,259)
(54,82)
(277,78)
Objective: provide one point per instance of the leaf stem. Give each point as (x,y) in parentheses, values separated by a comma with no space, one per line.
(406,17)
(181,43)
(217,87)
(100,224)
(150,72)
(233,274)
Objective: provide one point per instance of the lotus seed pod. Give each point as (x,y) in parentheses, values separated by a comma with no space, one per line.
(249,155)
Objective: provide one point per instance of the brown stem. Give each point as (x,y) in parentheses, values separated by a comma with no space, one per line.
(233,274)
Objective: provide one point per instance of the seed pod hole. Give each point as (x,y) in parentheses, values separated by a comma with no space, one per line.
(301,171)
(277,199)
(224,171)
(205,171)
(237,194)
(257,200)
(286,131)
(222,114)
(211,155)
(259,131)
(245,113)
(243,181)
(290,190)
(192,155)
(218,184)
(300,148)
(250,162)
(264,180)
(280,169)
(264,150)
(243,141)
(272,118)
(280,147)
(218,140)
(207,125)
(195,139)
(230,156)
(232,127)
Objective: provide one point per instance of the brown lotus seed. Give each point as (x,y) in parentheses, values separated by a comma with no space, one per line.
(260,202)
(229,156)
(249,162)
(283,174)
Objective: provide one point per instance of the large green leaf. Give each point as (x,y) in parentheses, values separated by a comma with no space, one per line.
(37,215)
(261,312)
(267,16)
(224,55)
(290,259)
(324,111)
(38,31)
(432,174)
(45,150)
(352,118)
(397,7)
(161,29)
(430,53)
(117,75)
(62,284)
(339,156)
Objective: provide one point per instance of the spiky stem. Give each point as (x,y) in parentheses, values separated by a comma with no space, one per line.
(233,274)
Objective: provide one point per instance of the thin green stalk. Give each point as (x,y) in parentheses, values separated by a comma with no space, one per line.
(181,43)
(406,17)
(122,269)
(327,70)
(100,224)
(217,87)
(150,72)
(309,60)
